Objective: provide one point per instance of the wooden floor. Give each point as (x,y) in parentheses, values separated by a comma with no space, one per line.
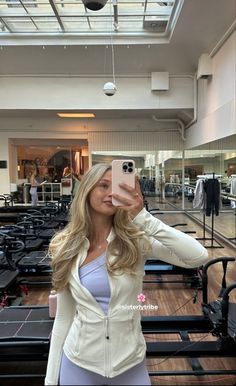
(176,299)
(224,223)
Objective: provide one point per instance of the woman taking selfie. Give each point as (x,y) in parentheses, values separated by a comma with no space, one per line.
(98,265)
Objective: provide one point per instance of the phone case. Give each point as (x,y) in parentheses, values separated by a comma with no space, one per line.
(122,172)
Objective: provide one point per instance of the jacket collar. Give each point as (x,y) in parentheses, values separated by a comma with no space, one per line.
(111,236)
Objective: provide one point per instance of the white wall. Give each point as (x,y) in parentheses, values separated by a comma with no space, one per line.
(87,93)
(61,93)
(8,152)
(216,99)
(216,110)
(109,134)
(4,173)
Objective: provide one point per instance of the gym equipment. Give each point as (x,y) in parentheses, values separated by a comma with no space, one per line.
(24,231)
(24,342)
(190,276)
(14,257)
(34,264)
(218,320)
(10,251)
(10,287)
(26,333)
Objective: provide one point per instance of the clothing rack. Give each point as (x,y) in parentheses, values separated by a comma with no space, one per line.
(233,239)
(209,176)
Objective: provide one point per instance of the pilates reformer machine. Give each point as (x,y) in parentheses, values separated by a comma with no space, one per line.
(218,320)
(24,344)
(10,213)
(10,286)
(188,276)
(16,264)
(35,229)
(25,334)
(36,226)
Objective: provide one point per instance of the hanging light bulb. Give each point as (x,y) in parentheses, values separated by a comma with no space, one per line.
(109,88)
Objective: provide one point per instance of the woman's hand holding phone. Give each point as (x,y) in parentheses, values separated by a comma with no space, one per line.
(133,204)
(126,192)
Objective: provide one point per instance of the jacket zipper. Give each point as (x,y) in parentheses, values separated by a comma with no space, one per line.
(107,337)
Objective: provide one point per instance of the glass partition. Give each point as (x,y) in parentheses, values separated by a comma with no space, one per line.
(178,173)
(56,168)
(218,169)
(169,178)
(51,162)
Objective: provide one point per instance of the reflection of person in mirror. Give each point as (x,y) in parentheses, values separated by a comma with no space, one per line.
(66,172)
(75,184)
(34,187)
(98,266)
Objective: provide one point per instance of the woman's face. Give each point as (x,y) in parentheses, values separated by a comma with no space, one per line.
(100,196)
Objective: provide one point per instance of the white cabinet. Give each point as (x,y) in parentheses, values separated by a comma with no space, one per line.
(50,191)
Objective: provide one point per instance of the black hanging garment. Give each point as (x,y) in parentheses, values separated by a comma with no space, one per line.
(212,189)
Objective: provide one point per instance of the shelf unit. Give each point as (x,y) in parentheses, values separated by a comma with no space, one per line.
(50,191)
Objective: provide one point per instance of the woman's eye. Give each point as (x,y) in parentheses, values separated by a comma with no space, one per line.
(104,186)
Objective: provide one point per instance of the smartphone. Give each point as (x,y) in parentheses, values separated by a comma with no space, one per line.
(123,171)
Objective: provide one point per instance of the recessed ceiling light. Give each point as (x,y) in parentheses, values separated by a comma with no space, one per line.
(76,115)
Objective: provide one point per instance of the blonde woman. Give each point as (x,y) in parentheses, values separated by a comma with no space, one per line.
(33,188)
(98,264)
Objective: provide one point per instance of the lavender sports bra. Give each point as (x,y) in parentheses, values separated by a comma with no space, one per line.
(94,277)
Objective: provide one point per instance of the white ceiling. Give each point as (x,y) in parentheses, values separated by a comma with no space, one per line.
(200,26)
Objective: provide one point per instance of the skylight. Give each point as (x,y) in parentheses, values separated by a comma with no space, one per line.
(71,17)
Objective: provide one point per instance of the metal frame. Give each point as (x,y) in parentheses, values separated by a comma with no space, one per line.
(118,17)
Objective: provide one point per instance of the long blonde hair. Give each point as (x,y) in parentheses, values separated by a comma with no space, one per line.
(66,244)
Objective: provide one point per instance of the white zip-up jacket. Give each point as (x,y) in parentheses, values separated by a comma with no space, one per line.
(111,344)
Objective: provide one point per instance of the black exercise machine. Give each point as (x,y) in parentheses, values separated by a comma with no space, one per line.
(25,333)
(10,286)
(24,343)
(13,257)
(218,320)
(188,276)
(35,264)
(34,229)
(25,232)
(11,251)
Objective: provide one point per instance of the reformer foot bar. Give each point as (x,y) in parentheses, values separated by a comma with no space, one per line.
(190,276)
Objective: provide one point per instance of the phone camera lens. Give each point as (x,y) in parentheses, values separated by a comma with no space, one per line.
(130,164)
(125,167)
(130,170)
